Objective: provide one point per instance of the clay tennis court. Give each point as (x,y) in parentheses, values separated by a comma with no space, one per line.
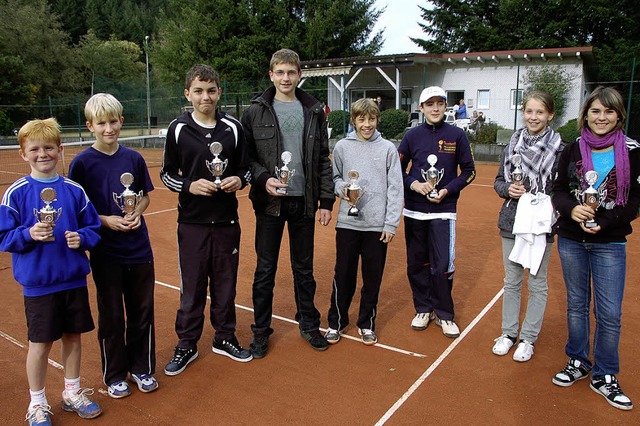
(409,378)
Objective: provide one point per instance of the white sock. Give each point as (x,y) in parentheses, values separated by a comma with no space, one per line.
(38,398)
(71,386)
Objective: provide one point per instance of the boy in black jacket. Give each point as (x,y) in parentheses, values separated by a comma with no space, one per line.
(204,161)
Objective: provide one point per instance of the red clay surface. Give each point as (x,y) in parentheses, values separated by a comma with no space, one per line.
(451,382)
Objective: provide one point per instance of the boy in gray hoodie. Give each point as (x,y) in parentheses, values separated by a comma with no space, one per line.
(367,177)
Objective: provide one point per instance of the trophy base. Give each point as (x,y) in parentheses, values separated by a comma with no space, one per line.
(354,212)
(433,194)
(217,183)
(589,224)
(49,239)
(282,191)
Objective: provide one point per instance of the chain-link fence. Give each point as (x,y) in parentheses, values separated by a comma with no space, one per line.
(168,101)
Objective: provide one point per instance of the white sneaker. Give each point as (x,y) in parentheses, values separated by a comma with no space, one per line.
(332,335)
(523,352)
(449,328)
(503,345)
(421,320)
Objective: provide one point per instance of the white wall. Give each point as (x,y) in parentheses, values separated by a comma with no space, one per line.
(498,78)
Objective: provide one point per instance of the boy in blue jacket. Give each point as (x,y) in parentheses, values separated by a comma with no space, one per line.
(48,221)
(430,210)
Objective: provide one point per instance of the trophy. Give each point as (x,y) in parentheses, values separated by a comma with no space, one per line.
(284,174)
(432,175)
(217,166)
(128,200)
(353,193)
(590,196)
(516,175)
(48,214)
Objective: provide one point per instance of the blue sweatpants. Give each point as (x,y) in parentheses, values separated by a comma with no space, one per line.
(430,256)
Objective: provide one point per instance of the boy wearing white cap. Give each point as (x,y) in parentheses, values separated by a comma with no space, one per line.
(430,209)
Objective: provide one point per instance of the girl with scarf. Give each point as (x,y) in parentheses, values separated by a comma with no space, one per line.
(538,147)
(594,257)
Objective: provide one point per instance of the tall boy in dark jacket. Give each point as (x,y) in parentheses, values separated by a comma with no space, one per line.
(286,119)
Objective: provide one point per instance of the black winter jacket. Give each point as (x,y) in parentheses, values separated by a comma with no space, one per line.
(615,221)
(264,147)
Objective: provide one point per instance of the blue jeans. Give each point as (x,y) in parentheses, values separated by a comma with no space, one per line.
(269,231)
(605,264)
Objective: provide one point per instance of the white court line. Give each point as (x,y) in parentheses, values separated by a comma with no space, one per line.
(482,185)
(160,211)
(437,362)
(23,346)
(290,321)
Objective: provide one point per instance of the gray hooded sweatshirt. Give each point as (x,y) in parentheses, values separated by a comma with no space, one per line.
(378,164)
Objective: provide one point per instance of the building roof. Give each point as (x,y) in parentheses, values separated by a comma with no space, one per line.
(340,66)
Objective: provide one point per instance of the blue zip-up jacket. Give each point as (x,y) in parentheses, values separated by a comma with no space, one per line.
(48,267)
(451,146)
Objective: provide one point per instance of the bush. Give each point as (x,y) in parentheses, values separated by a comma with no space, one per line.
(6,125)
(337,120)
(569,132)
(486,134)
(392,122)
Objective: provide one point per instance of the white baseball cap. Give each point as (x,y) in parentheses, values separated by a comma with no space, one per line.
(432,91)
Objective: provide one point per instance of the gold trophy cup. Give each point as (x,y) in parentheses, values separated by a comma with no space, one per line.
(590,196)
(48,214)
(284,174)
(127,200)
(217,166)
(353,193)
(432,175)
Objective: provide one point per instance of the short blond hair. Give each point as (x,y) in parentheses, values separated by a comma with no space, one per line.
(285,56)
(42,130)
(364,106)
(102,105)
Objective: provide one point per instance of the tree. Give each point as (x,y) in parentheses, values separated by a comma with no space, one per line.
(71,16)
(114,59)
(35,56)
(238,37)
(555,81)
(457,26)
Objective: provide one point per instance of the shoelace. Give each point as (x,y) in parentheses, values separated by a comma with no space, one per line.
(146,379)
(80,399)
(367,332)
(423,315)
(571,370)
(613,388)
(181,353)
(37,413)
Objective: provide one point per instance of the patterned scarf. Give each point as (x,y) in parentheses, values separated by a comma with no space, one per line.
(589,142)
(538,156)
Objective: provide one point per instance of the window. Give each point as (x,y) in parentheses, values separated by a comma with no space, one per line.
(483,99)
(515,103)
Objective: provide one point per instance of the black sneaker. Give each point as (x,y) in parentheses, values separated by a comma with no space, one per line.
(181,358)
(575,370)
(315,339)
(232,349)
(259,344)
(608,387)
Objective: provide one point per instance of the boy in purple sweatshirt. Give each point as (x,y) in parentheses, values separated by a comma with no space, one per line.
(430,209)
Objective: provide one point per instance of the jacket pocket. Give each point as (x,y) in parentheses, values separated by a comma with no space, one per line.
(264,133)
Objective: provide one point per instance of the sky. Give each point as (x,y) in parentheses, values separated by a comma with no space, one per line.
(401,22)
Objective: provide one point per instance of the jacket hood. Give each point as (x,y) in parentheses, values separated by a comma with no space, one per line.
(377,137)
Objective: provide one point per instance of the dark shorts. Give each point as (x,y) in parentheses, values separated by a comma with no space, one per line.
(50,316)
